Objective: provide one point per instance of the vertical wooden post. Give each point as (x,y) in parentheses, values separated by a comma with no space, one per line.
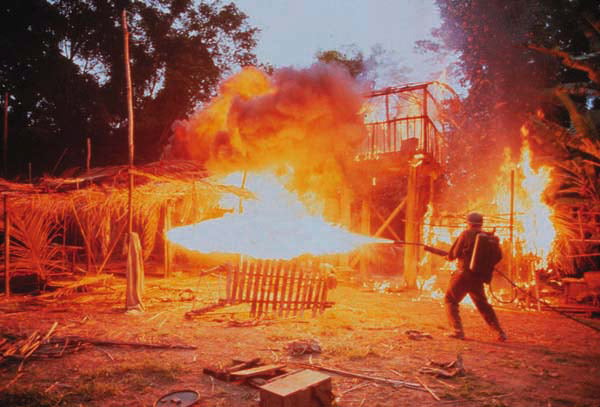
(411,228)
(387,139)
(88,154)
(6,247)
(29,172)
(365,229)
(64,243)
(5,150)
(426,239)
(424,122)
(167,244)
(129,117)
(511,257)
(345,218)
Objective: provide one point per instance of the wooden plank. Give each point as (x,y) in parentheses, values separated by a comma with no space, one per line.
(317,294)
(308,293)
(234,282)
(324,293)
(257,371)
(250,280)
(242,279)
(291,288)
(263,286)
(229,278)
(276,294)
(299,286)
(257,277)
(270,282)
(304,296)
(284,287)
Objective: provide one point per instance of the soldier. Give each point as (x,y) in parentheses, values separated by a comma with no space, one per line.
(465,281)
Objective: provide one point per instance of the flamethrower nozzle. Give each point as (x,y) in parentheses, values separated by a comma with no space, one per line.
(427,248)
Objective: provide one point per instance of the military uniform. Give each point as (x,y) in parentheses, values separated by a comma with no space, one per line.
(465,281)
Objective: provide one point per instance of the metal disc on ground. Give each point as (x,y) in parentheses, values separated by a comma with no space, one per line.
(181,398)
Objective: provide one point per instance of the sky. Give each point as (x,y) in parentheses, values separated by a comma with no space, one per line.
(293,31)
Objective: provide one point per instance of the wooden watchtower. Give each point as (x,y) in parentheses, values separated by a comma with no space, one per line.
(402,156)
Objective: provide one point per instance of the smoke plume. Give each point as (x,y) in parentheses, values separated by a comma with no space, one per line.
(306,123)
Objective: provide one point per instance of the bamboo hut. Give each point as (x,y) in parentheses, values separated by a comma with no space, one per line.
(62,226)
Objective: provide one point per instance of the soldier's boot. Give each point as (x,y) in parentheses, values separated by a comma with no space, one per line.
(492,320)
(455,321)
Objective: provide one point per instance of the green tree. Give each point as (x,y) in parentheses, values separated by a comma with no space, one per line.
(506,76)
(63,64)
(355,64)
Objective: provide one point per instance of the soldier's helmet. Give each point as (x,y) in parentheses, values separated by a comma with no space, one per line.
(475,218)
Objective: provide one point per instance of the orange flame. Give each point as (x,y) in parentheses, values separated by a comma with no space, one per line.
(275,226)
(533,226)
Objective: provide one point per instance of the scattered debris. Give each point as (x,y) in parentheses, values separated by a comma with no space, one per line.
(417,335)
(234,323)
(303,347)
(435,396)
(402,383)
(36,346)
(180,398)
(259,371)
(445,369)
(237,365)
(204,310)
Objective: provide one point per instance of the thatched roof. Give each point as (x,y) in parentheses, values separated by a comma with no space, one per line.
(147,177)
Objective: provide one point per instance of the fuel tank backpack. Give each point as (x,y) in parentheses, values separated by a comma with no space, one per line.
(486,254)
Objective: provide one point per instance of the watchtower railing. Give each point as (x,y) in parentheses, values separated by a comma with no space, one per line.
(400,131)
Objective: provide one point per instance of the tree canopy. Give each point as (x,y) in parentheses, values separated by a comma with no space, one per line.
(507,59)
(62,63)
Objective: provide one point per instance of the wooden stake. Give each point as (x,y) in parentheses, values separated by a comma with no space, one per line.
(5,151)
(511,257)
(88,246)
(6,247)
(88,155)
(435,396)
(29,171)
(166,242)
(129,116)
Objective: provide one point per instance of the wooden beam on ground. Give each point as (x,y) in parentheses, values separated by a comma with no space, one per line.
(257,371)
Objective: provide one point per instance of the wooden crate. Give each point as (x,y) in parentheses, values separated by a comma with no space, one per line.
(306,388)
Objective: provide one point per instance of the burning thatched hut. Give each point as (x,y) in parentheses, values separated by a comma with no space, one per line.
(63,225)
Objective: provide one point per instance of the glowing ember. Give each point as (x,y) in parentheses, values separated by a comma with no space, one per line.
(275,226)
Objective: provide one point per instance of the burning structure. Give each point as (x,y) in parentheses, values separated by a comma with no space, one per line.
(319,167)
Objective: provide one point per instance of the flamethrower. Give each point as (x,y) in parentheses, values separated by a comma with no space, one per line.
(425,247)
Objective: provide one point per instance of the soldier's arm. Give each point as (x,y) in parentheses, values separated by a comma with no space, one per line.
(456,248)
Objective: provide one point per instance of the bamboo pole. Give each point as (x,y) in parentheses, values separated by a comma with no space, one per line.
(5,150)
(167,243)
(511,258)
(130,118)
(6,247)
(88,155)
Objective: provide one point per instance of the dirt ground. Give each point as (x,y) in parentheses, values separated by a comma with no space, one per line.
(548,360)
